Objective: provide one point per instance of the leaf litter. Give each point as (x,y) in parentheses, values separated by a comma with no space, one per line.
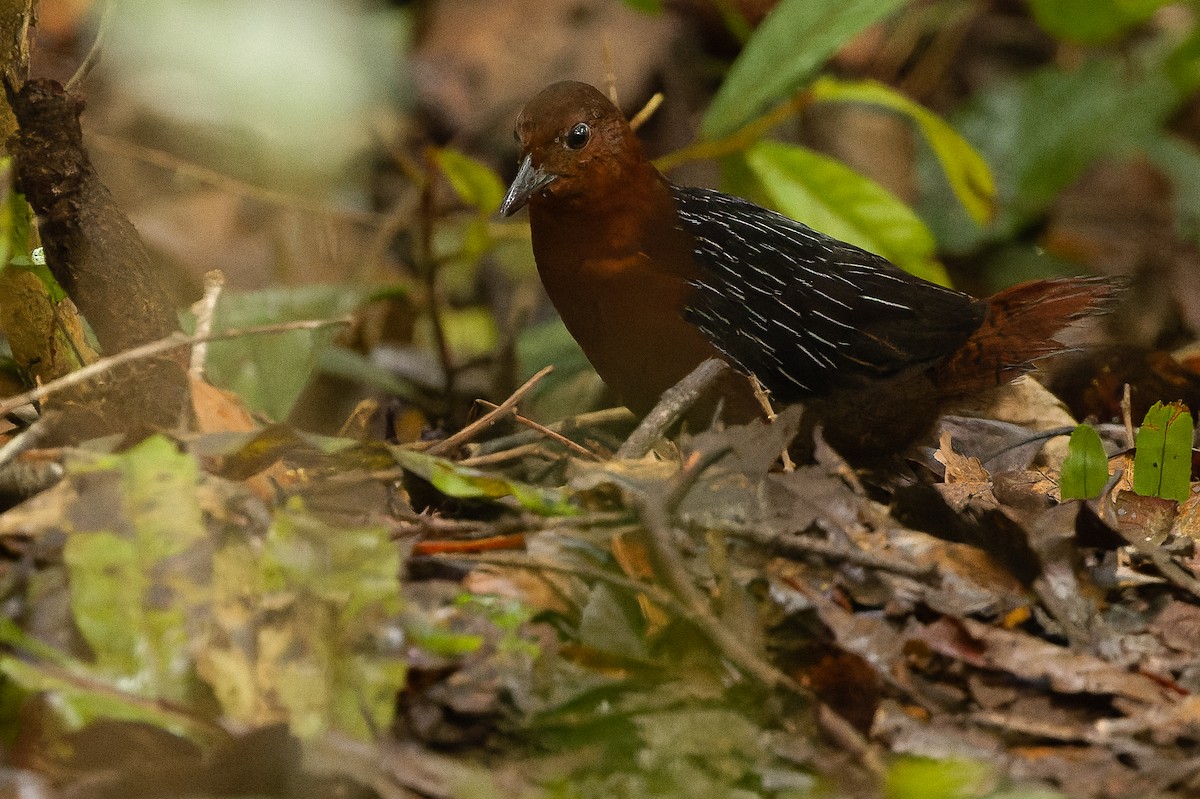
(694,622)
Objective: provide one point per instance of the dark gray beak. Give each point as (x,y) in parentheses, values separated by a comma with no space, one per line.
(529,181)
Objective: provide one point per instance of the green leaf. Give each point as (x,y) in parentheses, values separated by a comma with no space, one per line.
(350,365)
(1040,132)
(787,49)
(137,572)
(834,199)
(651,7)
(475,183)
(609,624)
(81,698)
(1180,160)
(925,778)
(1183,63)
(966,171)
(1085,470)
(1092,21)
(464,482)
(270,372)
(298,616)
(1162,465)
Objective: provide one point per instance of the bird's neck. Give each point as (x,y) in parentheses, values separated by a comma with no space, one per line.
(635,221)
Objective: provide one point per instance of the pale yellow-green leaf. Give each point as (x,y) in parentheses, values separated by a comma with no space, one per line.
(966,171)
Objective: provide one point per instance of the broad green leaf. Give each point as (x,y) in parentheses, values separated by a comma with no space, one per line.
(1040,132)
(830,197)
(299,614)
(966,171)
(1085,469)
(350,365)
(464,482)
(1162,465)
(270,372)
(786,50)
(80,698)
(137,568)
(1092,21)
(1179,159)
(475,183)
(925,778)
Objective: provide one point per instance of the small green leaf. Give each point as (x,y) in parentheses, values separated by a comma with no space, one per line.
(834,199)
(1085,470)
(1162,465)
(475,183)
(1091,21)
(609,624)
(966,171)
(464,482)
(790,45)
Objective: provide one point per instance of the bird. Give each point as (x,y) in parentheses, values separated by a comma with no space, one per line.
(651,278)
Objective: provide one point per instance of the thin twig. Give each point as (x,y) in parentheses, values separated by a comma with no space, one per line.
(205,311)
(488,419)
(737,141)
(530,450)
(578,449)
(763,397)
(670,409)
(610,75)
(173,342)
(697,464)
(643,116)
(93,56)
(1127,416)
(582,421)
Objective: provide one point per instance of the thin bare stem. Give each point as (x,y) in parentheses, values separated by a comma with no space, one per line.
(643,116)
(488,419)
(93,57)
(737,141)
(578,449)
(173,342)
(674,404)
(205,311)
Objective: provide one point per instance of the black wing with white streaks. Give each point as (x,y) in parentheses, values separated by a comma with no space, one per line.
(806,313)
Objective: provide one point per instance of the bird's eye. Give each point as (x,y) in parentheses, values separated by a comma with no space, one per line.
(577,137)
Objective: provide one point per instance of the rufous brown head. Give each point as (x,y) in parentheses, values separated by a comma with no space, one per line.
(576,147)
